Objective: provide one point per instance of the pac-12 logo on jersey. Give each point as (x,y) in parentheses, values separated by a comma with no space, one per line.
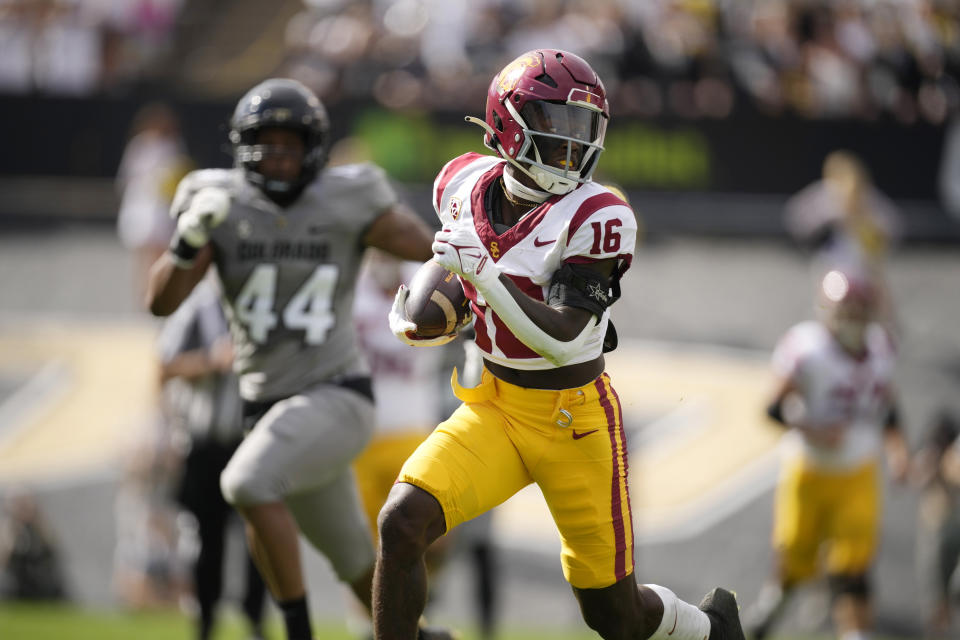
(456,204)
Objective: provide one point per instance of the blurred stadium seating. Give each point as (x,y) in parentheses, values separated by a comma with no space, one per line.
(742,99)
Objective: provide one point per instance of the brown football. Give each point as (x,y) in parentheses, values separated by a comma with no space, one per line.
(436,304)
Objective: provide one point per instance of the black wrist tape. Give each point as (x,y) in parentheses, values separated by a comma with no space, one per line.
(183,254)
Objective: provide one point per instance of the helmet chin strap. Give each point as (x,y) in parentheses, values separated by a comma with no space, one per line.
(520,190)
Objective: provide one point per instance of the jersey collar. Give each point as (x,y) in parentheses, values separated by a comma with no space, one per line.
(499,244)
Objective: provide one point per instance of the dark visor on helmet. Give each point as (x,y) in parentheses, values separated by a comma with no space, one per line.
(562,119)
(563,135)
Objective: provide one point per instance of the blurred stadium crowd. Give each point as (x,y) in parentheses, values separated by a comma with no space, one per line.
(80,47)
(870,59)
(690,58)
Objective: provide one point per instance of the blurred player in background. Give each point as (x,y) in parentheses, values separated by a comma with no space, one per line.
(835,395)
(848,224)
(286,239)
(147,569)
(202,401)
(540,249)
(31,566)
(153,162)
(936,470)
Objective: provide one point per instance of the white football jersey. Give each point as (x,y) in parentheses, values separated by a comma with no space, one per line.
(837,387)
(601,226)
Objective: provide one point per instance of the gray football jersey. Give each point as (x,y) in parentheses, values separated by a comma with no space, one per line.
(289,274)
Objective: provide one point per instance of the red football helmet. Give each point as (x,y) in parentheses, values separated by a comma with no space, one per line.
(548,110)
(848,304)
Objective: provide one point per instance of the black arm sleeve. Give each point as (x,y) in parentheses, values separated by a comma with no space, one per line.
(576,285)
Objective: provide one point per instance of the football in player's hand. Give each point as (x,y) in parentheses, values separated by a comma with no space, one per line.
(436,303)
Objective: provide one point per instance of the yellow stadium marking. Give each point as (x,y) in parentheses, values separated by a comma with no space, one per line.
(95,388)
(704,446)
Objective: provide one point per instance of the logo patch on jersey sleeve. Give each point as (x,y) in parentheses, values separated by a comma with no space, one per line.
(454,207)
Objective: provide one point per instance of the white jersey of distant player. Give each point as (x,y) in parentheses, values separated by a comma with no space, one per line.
(837,387)
(405,378)
(601,226)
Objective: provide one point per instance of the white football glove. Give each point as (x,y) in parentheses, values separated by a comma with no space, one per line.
(461,251)
(207,210)
(406,330)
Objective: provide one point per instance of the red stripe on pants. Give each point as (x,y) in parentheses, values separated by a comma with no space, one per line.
(616,510)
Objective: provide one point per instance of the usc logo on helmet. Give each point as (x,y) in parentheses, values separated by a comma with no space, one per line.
(494,249)
(511,74)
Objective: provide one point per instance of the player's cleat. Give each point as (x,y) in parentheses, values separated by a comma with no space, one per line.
(721,607)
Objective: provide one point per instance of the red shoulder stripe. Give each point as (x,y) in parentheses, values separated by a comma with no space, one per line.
(451,169)
(590,206)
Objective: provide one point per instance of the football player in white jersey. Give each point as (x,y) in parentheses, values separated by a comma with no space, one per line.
(540,249)
(835,395)
(286,237)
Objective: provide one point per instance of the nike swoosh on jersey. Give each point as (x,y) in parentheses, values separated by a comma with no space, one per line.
(577,436)
(537,242)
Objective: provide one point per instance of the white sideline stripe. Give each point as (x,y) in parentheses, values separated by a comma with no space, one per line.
(670,431)
(674,430)
(733,495)
(31,399)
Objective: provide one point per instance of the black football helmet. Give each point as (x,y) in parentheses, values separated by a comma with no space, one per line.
(286,103)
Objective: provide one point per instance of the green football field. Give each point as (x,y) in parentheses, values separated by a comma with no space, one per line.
(54,622)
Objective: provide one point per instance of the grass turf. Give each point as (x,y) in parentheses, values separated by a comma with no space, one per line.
(65,622)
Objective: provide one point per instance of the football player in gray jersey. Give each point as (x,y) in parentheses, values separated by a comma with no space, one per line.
(286,238)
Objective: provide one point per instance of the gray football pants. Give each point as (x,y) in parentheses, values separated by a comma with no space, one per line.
(300,452)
